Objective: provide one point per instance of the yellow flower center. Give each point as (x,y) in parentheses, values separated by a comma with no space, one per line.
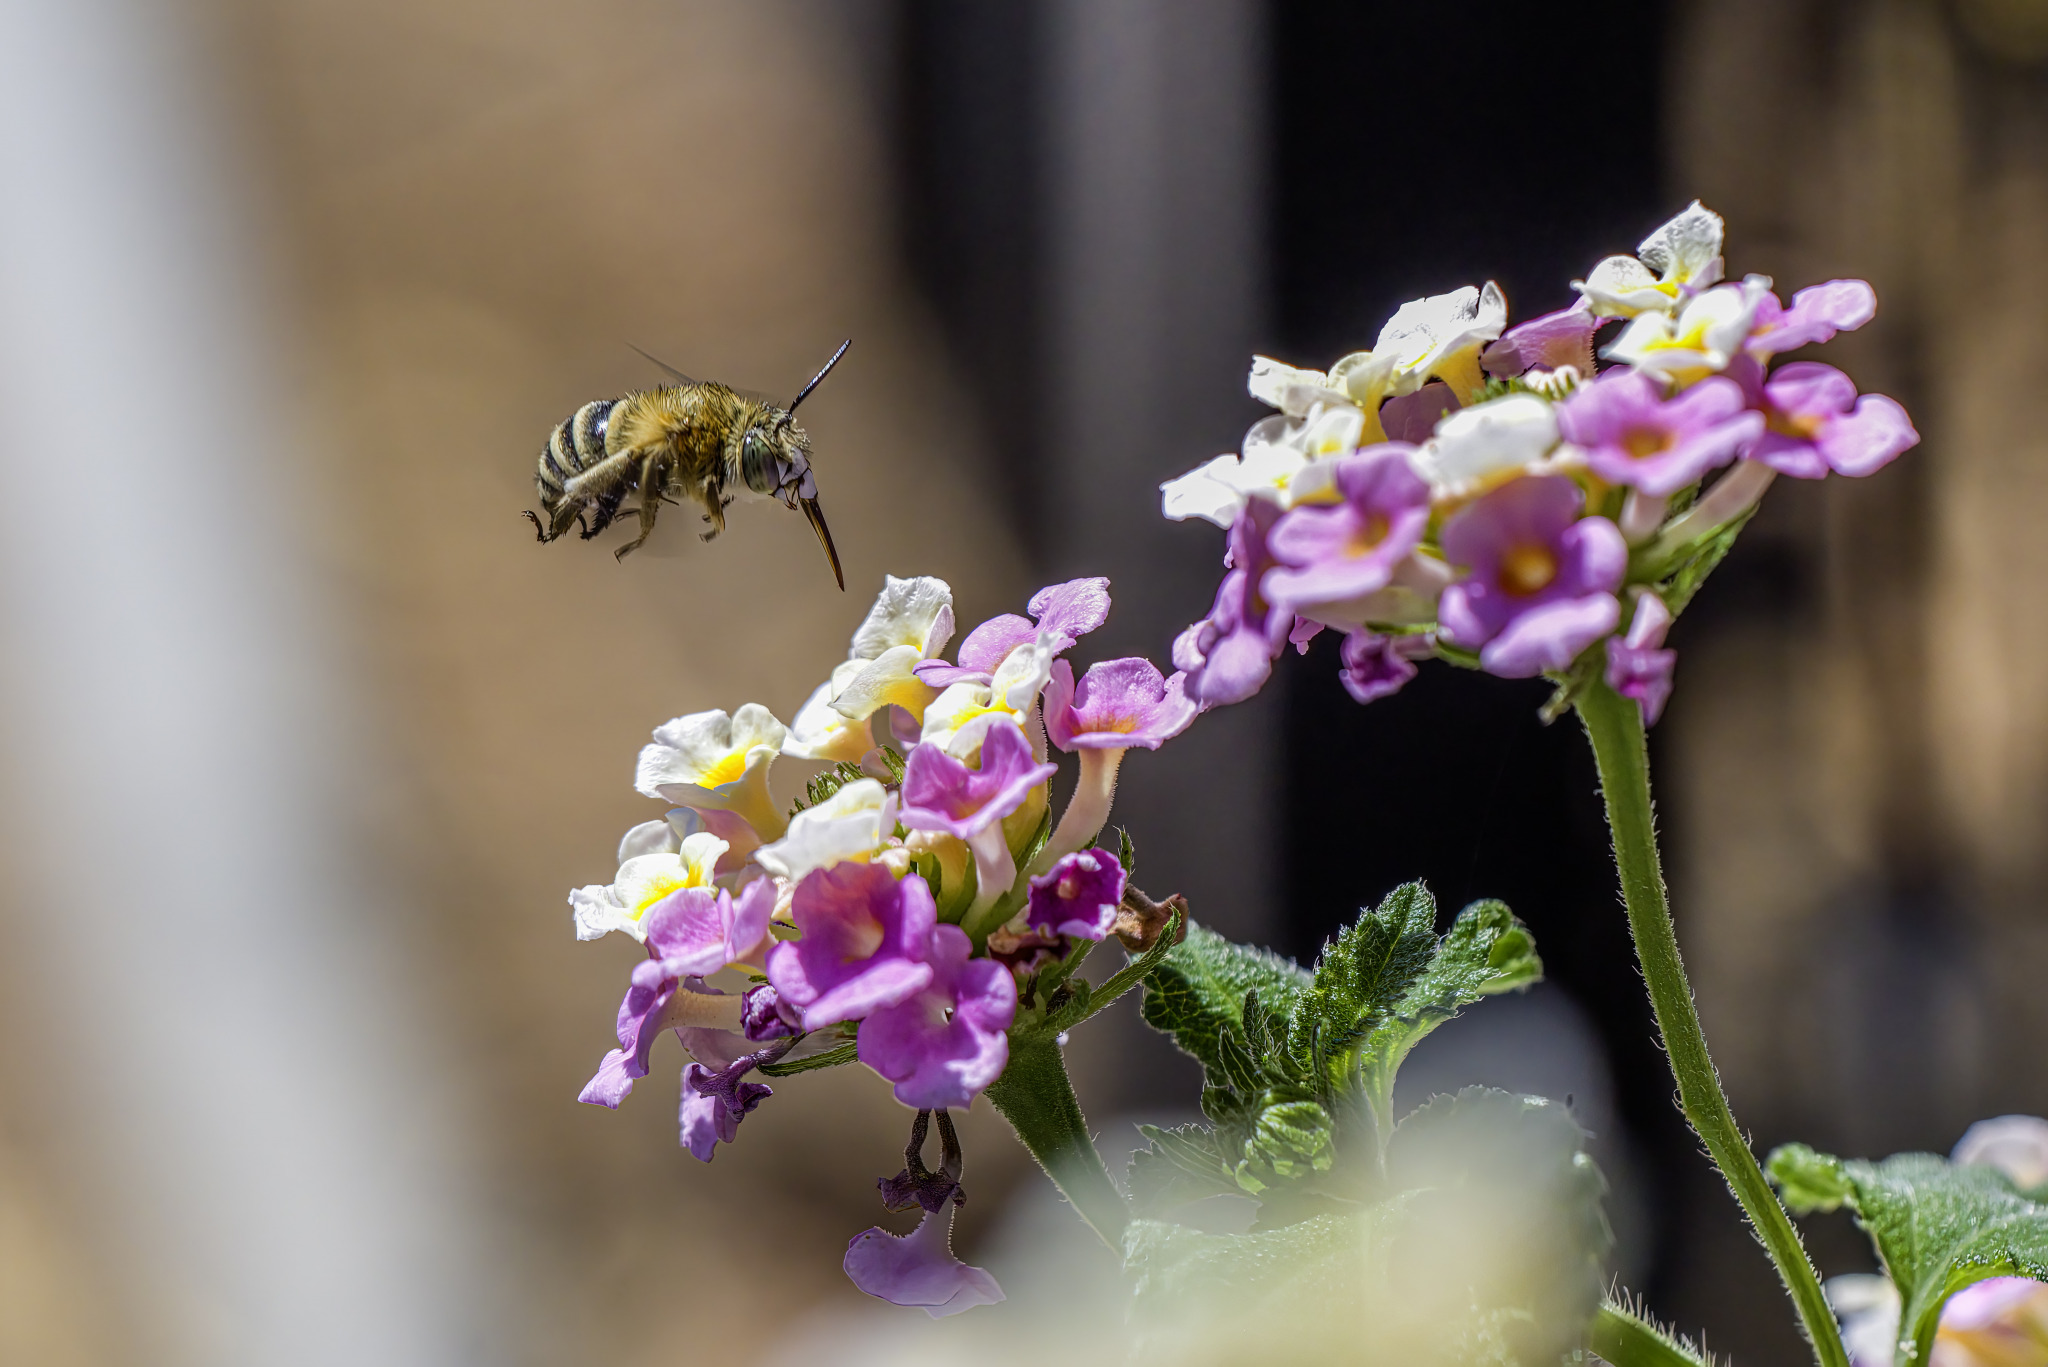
(863,938)
(1527,569)
(663,884)
(1805,427)
(1643,442)
(731,769)
(1368,537)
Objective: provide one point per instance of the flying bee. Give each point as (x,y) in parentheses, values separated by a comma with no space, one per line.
(695,440)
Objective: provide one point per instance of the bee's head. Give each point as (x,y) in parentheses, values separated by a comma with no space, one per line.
(775,456)
(775,459)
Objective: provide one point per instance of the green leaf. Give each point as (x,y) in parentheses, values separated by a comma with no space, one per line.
(1289,1139)
(1363,972)
(1623,1334)
(1287,1055)
(1487,951)
(1690,573)
(1938,1226)
(1199,989)
(1808,1181)
(828,1058)
(826,784)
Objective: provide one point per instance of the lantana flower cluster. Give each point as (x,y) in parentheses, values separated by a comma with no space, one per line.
(1499,497)
(895,912)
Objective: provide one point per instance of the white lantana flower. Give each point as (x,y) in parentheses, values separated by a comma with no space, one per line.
(646,876)
(1441,337)
(1479,446)
(1683,256)
(912,620)
(1699,340)
(716,762)
(960,717)
(1290,389)
(1276,453)
(854,823)
(1438,336)
(1327,414)
(2017,1145)
(821,731)
(1867,1304)
(1209,491)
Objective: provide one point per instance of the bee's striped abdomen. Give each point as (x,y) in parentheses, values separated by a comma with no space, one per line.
(573,446)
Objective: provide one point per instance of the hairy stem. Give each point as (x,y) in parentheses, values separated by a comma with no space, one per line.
(1615,727)
(1034,1095)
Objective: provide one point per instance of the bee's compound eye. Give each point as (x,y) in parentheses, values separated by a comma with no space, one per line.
(758,466)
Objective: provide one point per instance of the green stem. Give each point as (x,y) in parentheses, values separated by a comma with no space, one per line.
(1615,727)
(1035,1096)
(1621,1337)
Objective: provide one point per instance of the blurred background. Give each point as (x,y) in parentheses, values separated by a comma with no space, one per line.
(305,739)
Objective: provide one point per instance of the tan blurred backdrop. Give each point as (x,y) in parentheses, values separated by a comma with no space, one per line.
(1858,760)
(476,207)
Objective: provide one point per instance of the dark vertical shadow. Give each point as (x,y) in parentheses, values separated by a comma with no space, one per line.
(1418,149)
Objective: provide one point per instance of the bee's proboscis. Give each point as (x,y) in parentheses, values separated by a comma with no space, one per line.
(817,517)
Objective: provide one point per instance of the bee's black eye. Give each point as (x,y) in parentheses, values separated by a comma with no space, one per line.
(758,466)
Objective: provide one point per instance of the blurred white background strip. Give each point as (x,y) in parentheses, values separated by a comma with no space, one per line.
(231,1064)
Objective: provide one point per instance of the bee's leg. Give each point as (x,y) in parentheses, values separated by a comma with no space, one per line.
(714,512)
(649,506)
(558,521)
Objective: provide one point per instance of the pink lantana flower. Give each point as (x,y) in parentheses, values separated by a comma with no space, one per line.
(1818,423)
(1635,436)
(949,1040)
(865,935)
(1118,705)
(1542,578)
(1068,611)
(1344,553)
(919,1268)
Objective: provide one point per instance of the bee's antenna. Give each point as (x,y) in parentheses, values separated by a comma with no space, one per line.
(680,378)
(820,375)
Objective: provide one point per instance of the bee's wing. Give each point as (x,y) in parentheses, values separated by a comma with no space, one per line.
(680,378)
(677,375)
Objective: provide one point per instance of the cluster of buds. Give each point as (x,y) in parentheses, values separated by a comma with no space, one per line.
(1493,496)
(899,912)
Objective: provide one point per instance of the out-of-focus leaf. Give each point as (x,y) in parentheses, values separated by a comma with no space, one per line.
(1182,1164)
(1486,1245)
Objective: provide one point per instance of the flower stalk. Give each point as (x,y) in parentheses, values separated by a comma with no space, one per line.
(1614,725)
(1038,1100)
